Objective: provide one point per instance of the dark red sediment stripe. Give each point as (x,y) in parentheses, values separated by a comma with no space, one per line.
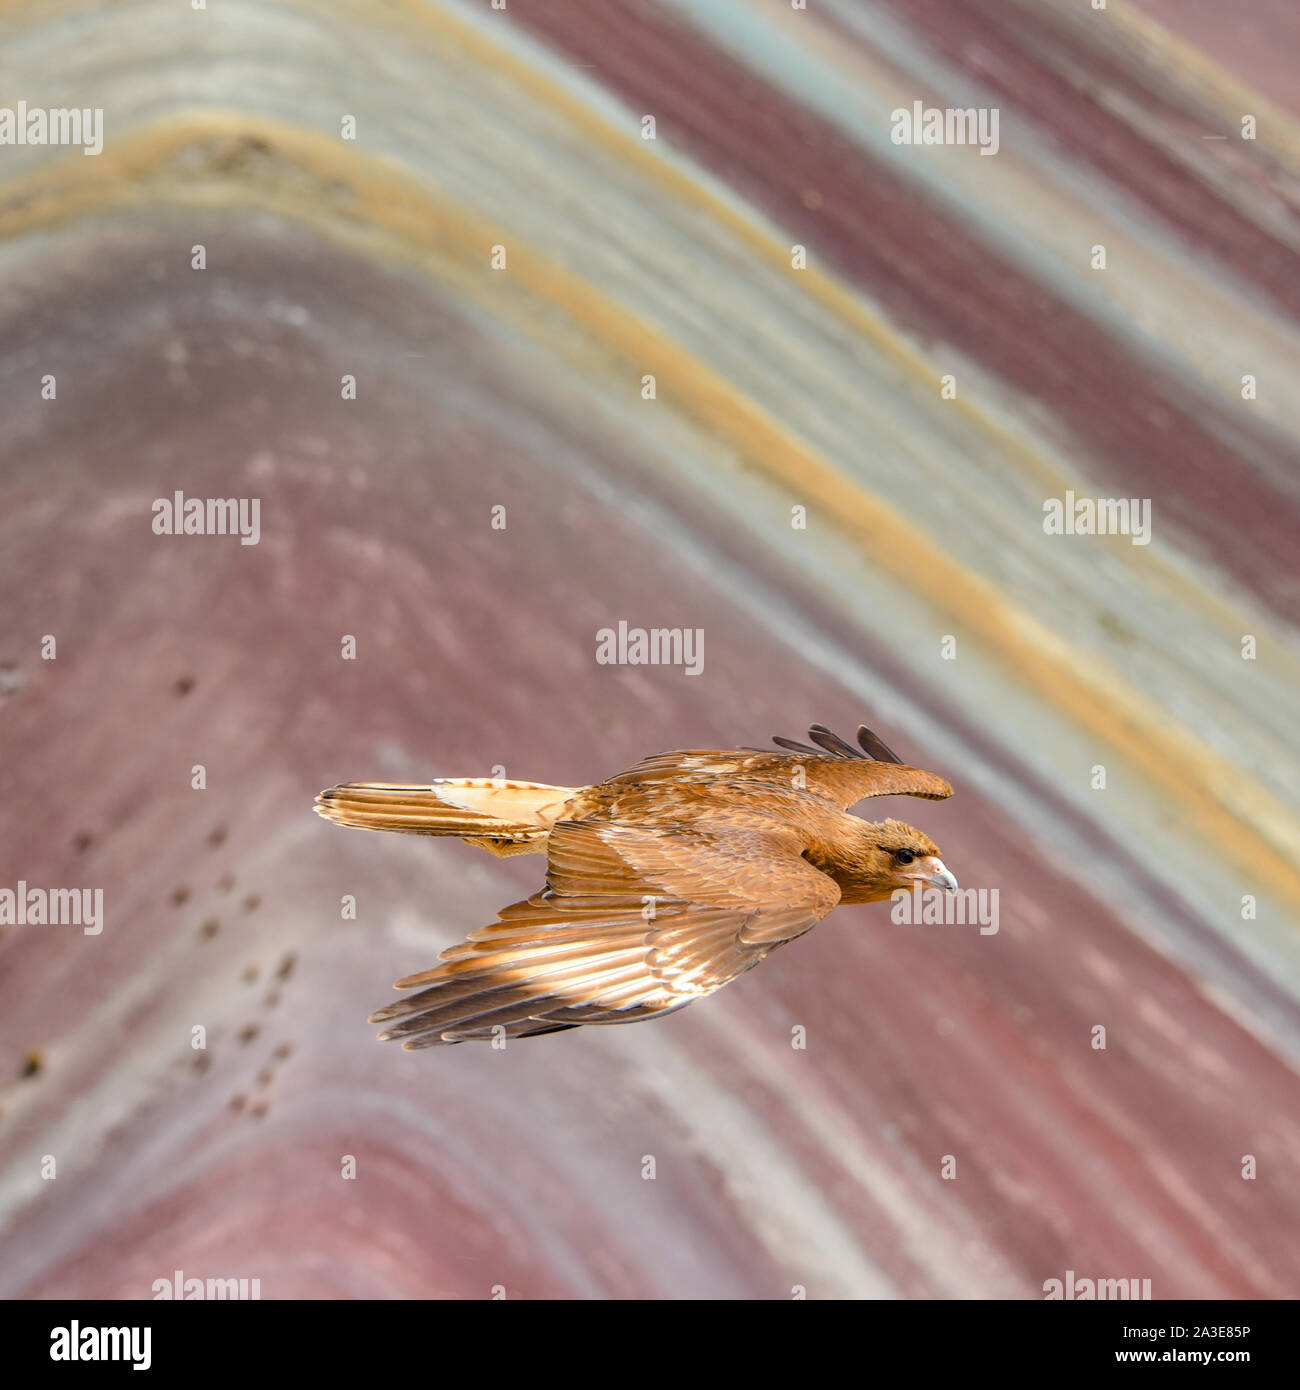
(1210,470)
(1020,52)
(1256,42)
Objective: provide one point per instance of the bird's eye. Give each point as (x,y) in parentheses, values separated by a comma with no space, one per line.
(904,856)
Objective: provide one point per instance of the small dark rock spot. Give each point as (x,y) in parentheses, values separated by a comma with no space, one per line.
(285,968)
(180,895)
(225,883)
(247,1033)
(217,836)
(201,1062)
(283,1051)
(210,928)
(271,999)
(258,1110)
(33,1063)
(183,686)
(263,1077)
(237,1103)
(252,902)
(82,841)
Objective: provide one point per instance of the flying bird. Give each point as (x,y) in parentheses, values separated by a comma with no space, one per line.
(662,884)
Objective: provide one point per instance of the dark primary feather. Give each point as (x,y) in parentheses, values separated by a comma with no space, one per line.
(832,743)
(790,744)
(876,747)
(873,747)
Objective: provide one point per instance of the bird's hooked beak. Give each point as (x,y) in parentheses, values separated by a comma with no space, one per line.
(938,875)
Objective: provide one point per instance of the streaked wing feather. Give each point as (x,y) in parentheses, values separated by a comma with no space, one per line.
(875,746)
(837,777)
(633,922)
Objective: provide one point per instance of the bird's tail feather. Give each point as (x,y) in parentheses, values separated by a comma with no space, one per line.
(506,817)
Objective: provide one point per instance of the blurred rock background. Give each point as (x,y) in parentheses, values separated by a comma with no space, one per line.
(921,595)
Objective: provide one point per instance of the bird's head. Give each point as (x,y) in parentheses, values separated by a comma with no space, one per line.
(893,856)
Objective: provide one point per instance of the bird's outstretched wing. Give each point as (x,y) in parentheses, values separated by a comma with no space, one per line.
(634,922)
(834,769)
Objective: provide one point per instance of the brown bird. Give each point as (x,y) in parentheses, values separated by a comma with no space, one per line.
(662,884)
